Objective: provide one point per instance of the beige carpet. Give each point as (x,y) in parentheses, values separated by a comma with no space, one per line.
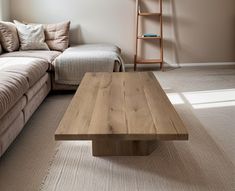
(25,164)
(184,166)
(206,162)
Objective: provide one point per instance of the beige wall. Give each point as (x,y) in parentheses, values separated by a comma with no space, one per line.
(4,10)
(195,30)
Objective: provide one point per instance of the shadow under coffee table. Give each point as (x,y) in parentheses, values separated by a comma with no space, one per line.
(123,114)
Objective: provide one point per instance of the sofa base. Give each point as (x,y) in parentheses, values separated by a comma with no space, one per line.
(37,94)
(11,133)
(11,115)
(37,99)
(61,87)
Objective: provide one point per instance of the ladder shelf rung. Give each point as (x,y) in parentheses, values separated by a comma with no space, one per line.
(148,61)
(149,14)
(146,38)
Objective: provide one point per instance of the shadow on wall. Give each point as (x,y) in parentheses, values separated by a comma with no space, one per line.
(171,41)
(4,10)
(179,37)
(175,41)
(234,38)
(76,35)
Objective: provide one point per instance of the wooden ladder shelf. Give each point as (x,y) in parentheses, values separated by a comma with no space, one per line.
(137,59)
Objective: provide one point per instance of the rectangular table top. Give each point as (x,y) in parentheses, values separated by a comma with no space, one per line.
(122,106)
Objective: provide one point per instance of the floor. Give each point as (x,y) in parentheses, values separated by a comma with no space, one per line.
(210,92)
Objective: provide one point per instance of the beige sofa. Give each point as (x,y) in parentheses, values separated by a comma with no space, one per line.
(26,77)
(24,83)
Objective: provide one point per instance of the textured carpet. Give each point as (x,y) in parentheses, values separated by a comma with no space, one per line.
(199,164)
(195,165)
(204,99)
(24,165)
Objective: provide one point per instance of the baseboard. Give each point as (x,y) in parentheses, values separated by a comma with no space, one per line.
(180,65)
(206,64)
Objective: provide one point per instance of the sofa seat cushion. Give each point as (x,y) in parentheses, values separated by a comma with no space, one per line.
(49,56)
(32,68)
(12,87)
(75,61)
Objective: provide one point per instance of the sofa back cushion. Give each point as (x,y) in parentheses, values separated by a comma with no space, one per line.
(57,35)
(9,36)
(32,37)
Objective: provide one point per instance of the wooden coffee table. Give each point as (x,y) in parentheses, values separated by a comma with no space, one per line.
(122,114)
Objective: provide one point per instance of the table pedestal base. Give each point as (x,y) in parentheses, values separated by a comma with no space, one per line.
(122,148)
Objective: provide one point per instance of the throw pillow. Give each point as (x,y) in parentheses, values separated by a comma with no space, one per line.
(9,37)
(57,35)
(32,37)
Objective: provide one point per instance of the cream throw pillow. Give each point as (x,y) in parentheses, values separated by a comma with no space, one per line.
(32,37)
(9,37)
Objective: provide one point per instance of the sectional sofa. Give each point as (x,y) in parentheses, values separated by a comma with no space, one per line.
(27,76)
